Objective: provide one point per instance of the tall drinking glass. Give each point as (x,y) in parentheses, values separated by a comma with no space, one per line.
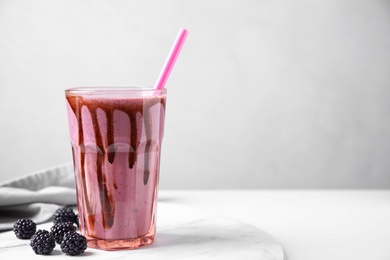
(116,135)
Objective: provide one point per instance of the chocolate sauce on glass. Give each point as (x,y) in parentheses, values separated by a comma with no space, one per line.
(138,107)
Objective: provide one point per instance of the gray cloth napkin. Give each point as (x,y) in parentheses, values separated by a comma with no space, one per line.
(37,195)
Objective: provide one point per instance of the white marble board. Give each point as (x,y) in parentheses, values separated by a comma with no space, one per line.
(182,233)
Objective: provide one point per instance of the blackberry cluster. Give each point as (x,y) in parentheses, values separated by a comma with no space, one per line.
(24,228)
(73,243)
(62,232)
(42,242)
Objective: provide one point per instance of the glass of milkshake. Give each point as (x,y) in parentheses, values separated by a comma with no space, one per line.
(116,135)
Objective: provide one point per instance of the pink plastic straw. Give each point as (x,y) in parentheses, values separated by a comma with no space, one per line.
(170,62)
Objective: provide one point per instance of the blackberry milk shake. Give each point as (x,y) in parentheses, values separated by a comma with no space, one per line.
(116,136)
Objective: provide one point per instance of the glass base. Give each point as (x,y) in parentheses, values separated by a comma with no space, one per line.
(118,244)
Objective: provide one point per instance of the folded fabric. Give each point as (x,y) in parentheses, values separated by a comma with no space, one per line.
(37,195)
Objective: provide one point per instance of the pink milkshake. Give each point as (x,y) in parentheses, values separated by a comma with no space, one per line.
(116,136)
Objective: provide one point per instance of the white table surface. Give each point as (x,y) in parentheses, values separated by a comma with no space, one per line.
(308,224)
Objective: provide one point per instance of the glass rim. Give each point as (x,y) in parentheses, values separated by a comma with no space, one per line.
(102,90)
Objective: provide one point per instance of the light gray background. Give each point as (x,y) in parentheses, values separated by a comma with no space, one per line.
(265,94)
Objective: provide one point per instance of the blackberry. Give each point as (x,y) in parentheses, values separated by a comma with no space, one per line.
(24,228)
(65,215)
(73,243)
(59,230)
(42,242)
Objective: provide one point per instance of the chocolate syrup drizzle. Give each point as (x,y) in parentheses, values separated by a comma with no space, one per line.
(140,106)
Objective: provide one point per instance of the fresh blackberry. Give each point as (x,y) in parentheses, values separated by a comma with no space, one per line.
(42,242)
(24,228)
(59,230)
(73,243)
(64,215)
